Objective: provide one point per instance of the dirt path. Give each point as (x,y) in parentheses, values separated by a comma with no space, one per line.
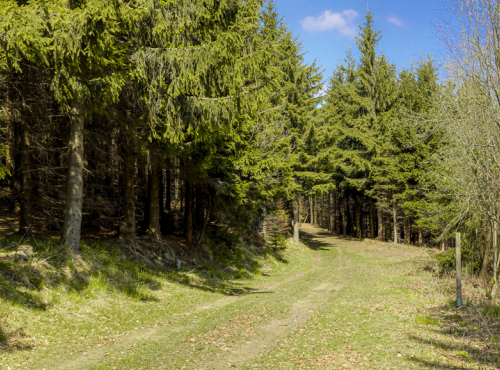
(92,355)
(327,285)
(353,305)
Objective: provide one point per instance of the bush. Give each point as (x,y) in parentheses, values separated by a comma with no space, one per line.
(470,259)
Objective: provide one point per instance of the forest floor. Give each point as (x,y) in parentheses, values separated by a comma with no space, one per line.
(330,303)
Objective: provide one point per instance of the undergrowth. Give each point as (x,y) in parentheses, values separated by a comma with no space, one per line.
(53,273)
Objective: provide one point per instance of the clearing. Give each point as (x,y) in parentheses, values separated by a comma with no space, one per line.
(333,303)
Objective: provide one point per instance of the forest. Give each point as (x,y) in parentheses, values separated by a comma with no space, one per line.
(164,163)
(138,120)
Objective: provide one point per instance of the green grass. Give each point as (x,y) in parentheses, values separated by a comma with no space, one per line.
(492,311)
(313,306)
(67,305)
(426,320)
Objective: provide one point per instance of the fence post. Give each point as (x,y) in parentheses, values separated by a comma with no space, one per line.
(459,269)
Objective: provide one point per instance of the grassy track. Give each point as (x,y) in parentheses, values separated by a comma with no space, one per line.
(338,304)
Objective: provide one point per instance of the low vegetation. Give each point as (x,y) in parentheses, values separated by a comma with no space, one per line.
(328,302)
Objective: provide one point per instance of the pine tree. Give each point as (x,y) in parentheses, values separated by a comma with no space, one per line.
(358,106)
(399,164)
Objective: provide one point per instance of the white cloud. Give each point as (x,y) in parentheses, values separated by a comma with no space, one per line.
(395,20)
(329,20)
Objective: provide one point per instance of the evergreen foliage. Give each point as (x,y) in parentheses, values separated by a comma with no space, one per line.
(201,118)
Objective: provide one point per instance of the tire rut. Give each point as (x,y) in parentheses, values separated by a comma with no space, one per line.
(270,333)
(90,356)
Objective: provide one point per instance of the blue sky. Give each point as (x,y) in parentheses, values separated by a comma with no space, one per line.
(328,28)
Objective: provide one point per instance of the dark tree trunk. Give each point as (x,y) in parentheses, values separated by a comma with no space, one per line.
(71,231)
(322,211)
(380,217)
(330,212)
(357,210)
(128,225)
(338,228)
(343,216)
(166,221)
(25,216)
(153,229)
(198,206)
(372,220)
(9,160)
(296,218)
(168,200)
(395,220)
(188,212)
(349,218)
(311,206)
(144,189)
(17,174)
(161,178)
(406,230)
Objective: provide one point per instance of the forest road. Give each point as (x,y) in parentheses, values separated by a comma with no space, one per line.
(349,304)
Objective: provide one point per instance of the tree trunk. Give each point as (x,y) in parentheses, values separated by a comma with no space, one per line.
(323,212)
(153,228)
(496,259)
(71,231)
(420,237)
(300,209)
(168,201)
(331,215)
(128,225)
(380,217)
(161,178)
(372,221)
(25,217)
(357,210)
(188,212)
(406,229)
(343,216)
(296,218)
(9,160)
(311,205)
(338,220)
(486,258)
(199,207)
(395,220)
(349,220)
(17,175)
(335,213)
(144,188)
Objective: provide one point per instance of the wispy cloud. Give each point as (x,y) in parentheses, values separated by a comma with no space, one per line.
(395,20)
(329,20)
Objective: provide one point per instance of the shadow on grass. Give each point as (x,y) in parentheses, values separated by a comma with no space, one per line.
(100,267)
(468,333)
(224,286)
(12,341)
(212,279)
(435,365)
(231,286)
(463,353)
(315,242)
(105,266)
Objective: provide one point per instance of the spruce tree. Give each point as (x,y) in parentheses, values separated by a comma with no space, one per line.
(358,106)
(399,166)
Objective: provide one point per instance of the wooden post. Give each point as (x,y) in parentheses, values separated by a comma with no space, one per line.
(459,269)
